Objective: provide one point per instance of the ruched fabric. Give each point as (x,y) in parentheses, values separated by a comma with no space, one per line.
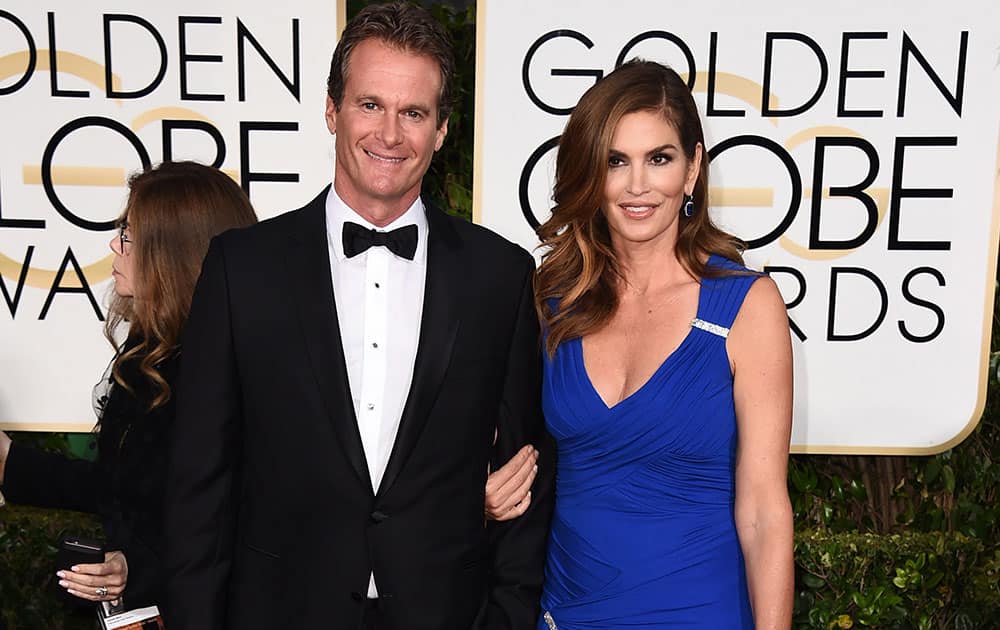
(643,534)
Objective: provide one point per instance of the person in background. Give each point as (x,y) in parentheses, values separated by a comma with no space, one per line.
(667,381)
(173,211)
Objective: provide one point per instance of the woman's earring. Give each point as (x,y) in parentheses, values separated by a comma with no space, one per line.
(689,206)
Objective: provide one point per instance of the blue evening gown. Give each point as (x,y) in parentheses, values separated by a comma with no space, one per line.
(643,534)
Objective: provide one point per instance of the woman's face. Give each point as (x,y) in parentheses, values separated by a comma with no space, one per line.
(648,176)
(123,267)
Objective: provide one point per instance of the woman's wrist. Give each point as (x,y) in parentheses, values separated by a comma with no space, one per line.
(5,443)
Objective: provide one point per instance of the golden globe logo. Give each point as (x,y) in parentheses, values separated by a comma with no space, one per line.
(806,197)
(856,154)
(96,96)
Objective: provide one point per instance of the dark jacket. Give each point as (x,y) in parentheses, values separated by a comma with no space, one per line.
(124,486)
(271,517)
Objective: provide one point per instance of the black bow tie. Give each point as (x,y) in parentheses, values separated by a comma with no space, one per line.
(401,241)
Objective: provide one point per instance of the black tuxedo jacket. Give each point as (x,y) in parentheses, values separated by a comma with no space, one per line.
(271,521)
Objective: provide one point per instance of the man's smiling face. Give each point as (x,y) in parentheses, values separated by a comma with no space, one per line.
(386,129)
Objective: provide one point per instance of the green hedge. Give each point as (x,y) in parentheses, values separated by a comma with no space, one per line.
(918,580)
(28,538)
(913,580)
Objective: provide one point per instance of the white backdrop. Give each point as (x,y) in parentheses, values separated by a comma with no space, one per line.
(892,114)
(245,78)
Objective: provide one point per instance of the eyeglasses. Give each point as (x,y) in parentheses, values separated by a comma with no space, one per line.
(122,237)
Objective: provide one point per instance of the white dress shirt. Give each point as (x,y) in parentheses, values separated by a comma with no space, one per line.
(369,289)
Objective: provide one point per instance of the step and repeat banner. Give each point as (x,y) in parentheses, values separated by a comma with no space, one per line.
(91,92)
(854,146)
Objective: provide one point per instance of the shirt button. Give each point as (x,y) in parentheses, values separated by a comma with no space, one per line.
(377,286)
(374,344)
(371,406)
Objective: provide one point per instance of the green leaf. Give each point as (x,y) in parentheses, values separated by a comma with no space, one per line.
(948,475)
(932,470)
(812,581)
(858,490)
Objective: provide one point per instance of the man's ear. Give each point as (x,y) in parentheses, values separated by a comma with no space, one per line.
(442,133)
(331,115)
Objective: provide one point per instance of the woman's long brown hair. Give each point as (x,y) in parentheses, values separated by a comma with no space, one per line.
(575,287)
(173,211)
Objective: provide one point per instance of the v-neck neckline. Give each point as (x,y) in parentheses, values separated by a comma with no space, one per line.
(578,342)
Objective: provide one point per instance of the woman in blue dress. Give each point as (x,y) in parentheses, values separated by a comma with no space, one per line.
(668,380)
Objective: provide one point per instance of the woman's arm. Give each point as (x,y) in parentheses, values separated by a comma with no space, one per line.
(761,356)
(33,477)
(4,449)
(51,480)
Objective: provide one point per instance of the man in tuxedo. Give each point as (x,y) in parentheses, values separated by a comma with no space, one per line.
(349,371)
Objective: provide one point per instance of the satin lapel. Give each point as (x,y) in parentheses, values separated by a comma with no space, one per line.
(438,329)
(312,286)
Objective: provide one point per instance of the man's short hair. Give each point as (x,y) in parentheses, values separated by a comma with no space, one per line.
(401,25)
